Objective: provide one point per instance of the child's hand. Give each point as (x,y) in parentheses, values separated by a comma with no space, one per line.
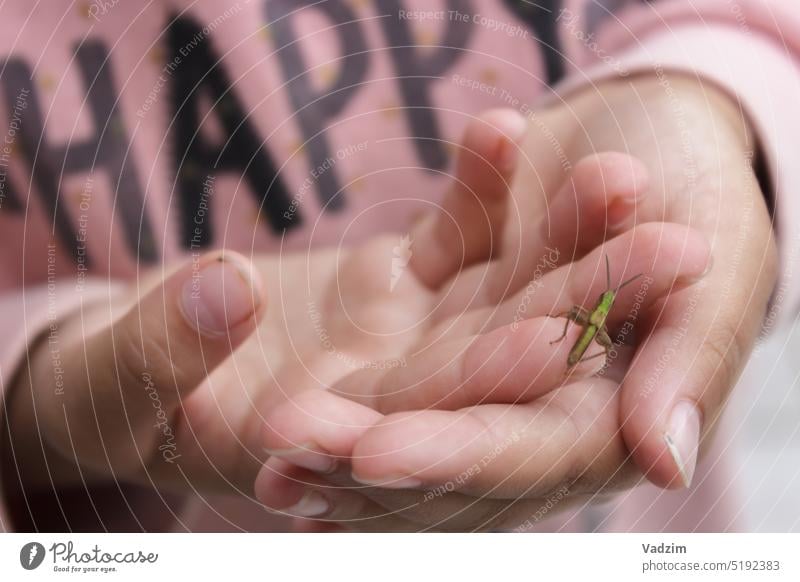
(507,432)
(690,348)
(699,151)
(167,383)
(125,369)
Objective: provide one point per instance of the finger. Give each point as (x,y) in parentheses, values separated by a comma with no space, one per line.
(469,225)
(666,254)
(596,203)
(314,417)
(514,363)
(683,371)
(315,429)
(505,355)
(128,379)
(295,492)
(441,509)
(435,509)
(571,440)
(337,500)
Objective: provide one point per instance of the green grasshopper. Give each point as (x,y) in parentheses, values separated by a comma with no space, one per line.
(593,323)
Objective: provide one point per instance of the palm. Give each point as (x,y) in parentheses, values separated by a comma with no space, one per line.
(583,433)
(329,314)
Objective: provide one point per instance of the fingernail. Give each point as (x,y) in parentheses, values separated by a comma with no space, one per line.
(312,504)
(514,127)
(682,439)
(309,457)
(400,482)
(219,295)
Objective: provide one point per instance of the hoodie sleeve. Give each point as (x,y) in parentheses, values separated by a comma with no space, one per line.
(30,317)
(748,48)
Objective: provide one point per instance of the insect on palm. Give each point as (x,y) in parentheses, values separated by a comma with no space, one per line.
(593,322)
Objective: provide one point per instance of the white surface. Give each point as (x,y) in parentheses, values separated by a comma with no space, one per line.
(767,434)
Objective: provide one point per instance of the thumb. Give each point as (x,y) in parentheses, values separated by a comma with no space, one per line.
(684,370)
(133,374)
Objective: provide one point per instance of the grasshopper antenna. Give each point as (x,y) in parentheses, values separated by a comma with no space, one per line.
(631,280)
(608,274)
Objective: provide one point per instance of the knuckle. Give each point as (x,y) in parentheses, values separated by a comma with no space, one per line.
(137,354)
(128,354)
(722,356)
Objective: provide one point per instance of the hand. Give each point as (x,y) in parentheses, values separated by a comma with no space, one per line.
(700,153)
(512,429)
(602,424)
(167,384)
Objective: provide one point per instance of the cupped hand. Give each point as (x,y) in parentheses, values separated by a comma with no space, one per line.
(168,382)
(687,346)
(496,422)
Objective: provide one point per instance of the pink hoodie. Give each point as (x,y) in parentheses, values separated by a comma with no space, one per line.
(113,147)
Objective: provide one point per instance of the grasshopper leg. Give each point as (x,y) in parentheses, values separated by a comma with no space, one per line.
(604,340)
(586,358)
(577,314)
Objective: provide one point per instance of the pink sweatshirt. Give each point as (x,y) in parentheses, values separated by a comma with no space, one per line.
(113,147)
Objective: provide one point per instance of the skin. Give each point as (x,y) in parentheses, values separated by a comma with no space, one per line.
(234,405)
(215,389)
(591,436)
(226,395)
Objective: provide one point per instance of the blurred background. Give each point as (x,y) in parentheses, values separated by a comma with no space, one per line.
(765,413)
